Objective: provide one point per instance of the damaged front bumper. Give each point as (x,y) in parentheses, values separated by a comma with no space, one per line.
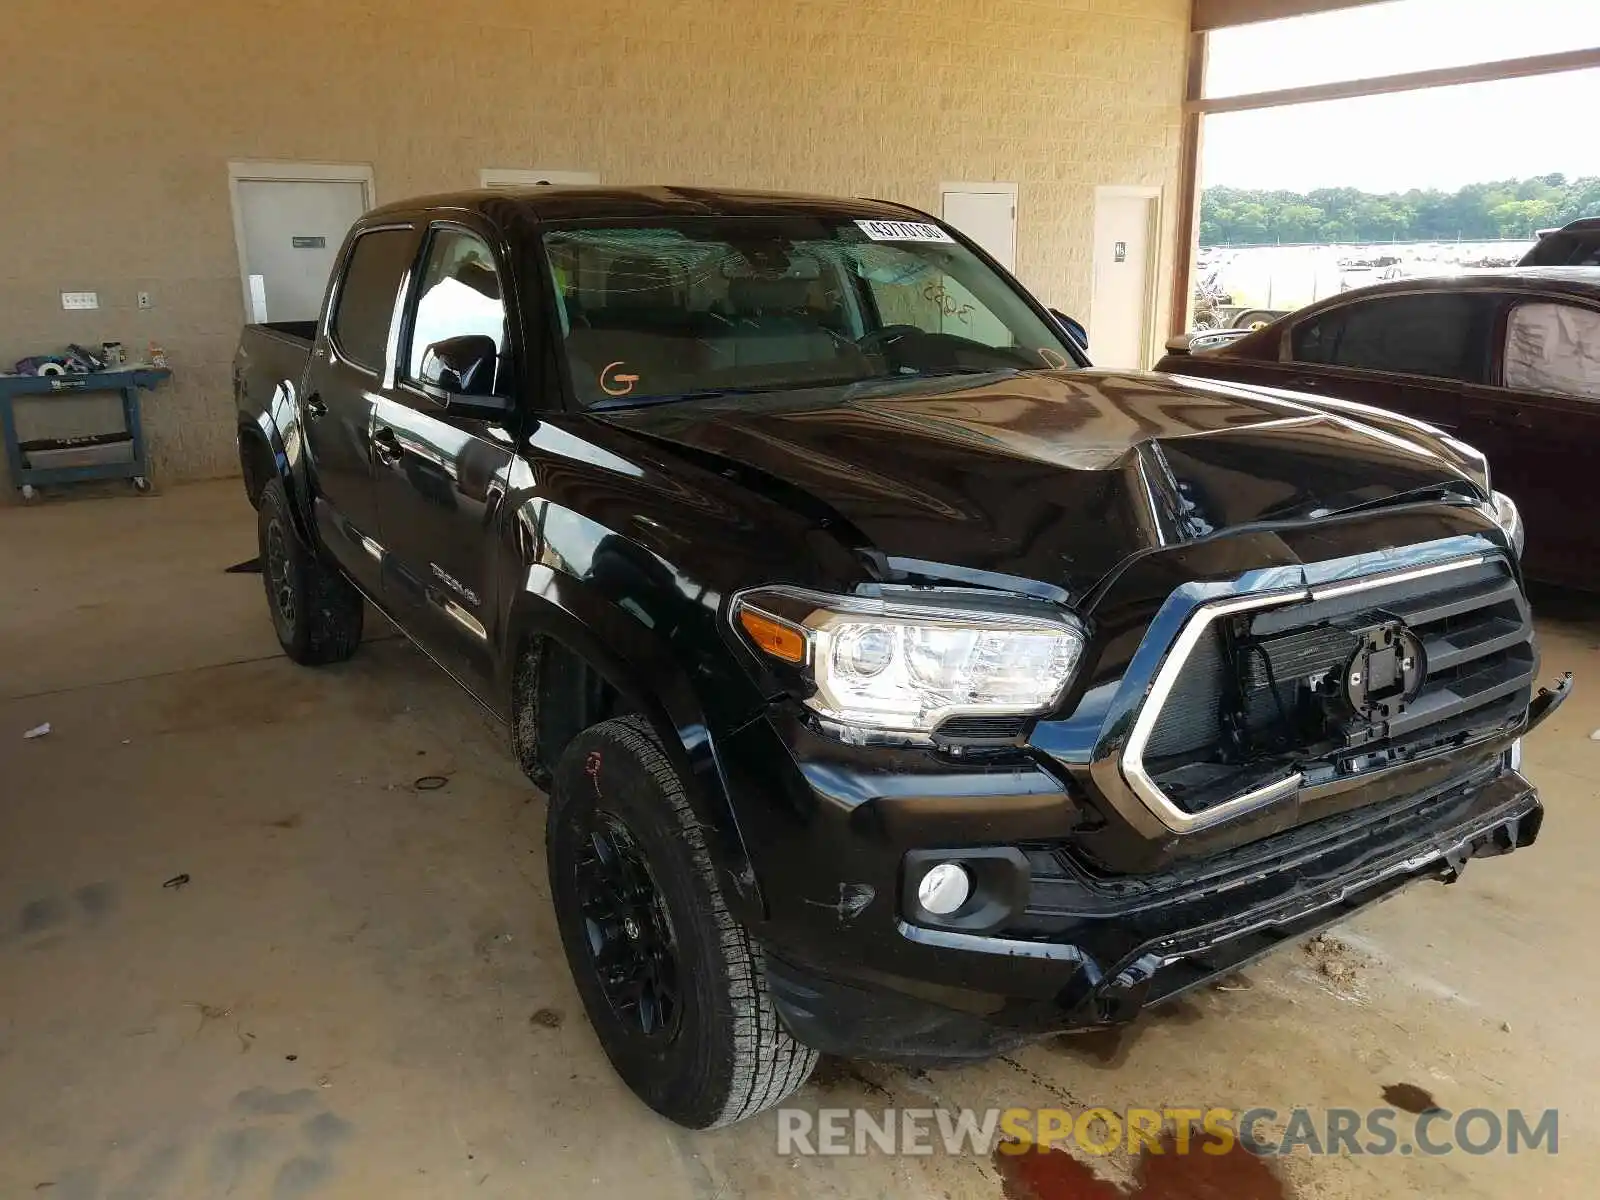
(1095,952)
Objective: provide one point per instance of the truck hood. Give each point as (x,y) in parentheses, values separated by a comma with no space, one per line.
(1054,477)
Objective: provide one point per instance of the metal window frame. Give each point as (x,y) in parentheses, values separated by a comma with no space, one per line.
(1208,15)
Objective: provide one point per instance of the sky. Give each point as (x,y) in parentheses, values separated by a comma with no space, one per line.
(1440,138)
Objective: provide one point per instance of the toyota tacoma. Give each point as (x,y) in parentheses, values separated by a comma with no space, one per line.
(903,687)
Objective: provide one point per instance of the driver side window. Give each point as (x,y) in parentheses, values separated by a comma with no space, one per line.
(458,332)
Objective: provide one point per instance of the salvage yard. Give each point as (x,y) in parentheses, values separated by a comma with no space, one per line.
(309,949)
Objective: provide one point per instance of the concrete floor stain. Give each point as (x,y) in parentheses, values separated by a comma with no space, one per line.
(546,1018)
(1051,1173)
(1408,1097)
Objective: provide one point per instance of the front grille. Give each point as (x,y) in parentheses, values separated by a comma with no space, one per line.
(1270,693)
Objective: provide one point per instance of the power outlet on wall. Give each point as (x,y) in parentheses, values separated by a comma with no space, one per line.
(145,301)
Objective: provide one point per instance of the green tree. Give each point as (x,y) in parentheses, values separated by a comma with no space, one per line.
(1509,208)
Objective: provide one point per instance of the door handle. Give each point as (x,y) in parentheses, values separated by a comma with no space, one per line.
(1514,419)
(316,406)
(1305,382)
(386,446)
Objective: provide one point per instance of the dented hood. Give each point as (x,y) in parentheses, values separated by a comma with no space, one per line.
(1049,476)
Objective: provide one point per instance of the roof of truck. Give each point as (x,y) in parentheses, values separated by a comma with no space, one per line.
(563,203)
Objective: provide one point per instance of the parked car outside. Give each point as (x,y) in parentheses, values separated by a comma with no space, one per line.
(1574,245)
(1507,361)
(903,687)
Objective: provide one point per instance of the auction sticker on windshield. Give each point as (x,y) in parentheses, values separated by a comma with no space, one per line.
(903,231)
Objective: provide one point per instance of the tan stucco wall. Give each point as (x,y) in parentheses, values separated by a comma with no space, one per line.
(120,117)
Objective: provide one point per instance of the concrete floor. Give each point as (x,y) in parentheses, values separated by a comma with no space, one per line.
(339,1002)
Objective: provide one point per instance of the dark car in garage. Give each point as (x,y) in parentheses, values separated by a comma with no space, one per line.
(1506,361)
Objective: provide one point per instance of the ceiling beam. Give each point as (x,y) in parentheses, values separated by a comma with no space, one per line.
(1349,89)
(1218,14)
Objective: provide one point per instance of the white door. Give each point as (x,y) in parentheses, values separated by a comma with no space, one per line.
(1124,242)
(290,231)
(986,213)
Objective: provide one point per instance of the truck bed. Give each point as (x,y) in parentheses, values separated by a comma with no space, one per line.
(298,332)
(267,370)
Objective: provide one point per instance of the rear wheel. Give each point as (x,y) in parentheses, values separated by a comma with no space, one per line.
(316,612)
(674,987)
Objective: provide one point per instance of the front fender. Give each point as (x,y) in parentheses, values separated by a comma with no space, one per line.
(637,657)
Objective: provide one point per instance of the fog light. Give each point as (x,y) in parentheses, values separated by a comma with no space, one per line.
(944,889)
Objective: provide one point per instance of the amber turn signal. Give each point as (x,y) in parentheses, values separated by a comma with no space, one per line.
(777,638)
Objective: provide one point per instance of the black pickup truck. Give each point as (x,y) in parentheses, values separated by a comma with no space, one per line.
(903,687)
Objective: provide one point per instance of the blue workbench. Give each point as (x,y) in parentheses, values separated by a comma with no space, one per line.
(128,382)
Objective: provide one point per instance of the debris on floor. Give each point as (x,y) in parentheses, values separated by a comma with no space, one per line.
(38,731)
(176,882)
(1333,959)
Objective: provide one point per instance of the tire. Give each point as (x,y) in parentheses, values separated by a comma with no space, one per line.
(315,610)
(1254,318)
(717,1052)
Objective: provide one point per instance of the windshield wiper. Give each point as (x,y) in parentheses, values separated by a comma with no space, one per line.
(1449,489)
(673,397)
(942,372)
(612,403)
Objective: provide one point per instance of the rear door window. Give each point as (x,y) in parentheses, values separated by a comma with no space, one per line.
(367,294)
(1553,348)
(1438,335)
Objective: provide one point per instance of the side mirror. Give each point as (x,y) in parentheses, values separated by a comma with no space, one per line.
(463,368)
(1201,340)
(1075,329)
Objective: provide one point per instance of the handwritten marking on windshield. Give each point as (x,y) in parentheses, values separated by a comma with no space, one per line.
(618,384)
(947,303)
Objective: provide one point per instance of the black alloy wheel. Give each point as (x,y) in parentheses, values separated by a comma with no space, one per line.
(628,929)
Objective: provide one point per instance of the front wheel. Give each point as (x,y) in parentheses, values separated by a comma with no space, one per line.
(316,612)
(674,987)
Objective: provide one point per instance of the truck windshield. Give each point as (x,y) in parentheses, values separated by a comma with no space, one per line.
(715,304)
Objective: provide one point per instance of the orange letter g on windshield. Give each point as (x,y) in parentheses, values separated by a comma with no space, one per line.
(613,382)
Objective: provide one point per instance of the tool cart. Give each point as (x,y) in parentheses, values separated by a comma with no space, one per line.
(117,454)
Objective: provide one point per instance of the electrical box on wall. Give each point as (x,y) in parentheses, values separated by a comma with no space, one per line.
(70,300)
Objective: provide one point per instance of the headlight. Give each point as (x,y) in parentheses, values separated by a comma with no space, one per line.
(904,666)
(1510,521)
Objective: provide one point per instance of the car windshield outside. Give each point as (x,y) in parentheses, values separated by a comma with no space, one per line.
(729,304)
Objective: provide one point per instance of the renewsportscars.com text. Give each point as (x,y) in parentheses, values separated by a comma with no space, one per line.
(1263,1131)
